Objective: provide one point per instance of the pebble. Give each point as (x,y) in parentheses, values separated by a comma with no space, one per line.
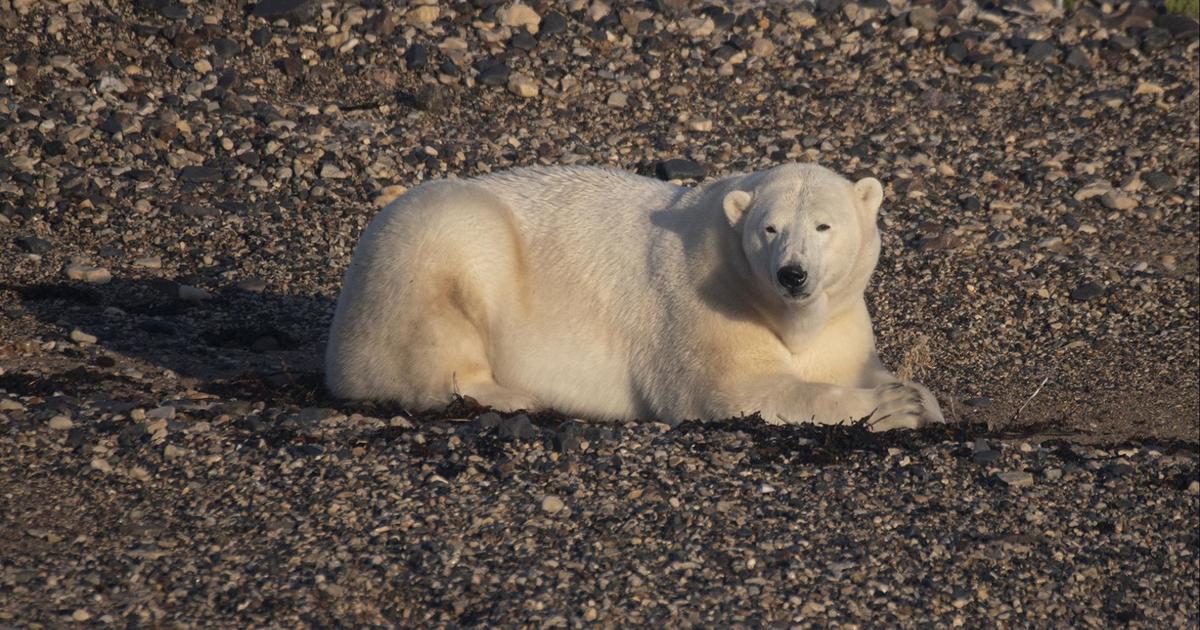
(1159,181)
(33,244)
(1117,201)
(166,412)
(679,168)
(762,47)
(200,174)
(148,262)
(189,293)
(617,99)
(923,18)
(1086,291)
(494,74)
(88,273)
(552,504)
(552,24)
(78,336)
(81,615)
(423,15)
(252,285)
(517,428)
(61,423)
(101,464)
(518,14)
(294,11)
(523,86)
(1016,478)
(1041,51)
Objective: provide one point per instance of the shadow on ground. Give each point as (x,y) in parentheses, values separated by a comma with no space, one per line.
(267,347)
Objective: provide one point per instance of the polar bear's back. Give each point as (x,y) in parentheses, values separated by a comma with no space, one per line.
(580,197)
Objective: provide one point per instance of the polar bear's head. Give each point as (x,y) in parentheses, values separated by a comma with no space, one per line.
(808,234)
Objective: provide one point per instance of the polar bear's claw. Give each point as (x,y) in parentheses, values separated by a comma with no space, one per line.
(904,405)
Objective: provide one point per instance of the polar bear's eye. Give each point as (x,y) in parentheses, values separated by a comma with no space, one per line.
(822,227)
(770,229)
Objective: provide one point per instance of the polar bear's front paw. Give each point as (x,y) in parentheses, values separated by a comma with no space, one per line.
(903,406)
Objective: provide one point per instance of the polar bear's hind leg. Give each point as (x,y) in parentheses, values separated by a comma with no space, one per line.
(415,320)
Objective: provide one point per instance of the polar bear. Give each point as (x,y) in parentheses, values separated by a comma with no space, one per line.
(608,295)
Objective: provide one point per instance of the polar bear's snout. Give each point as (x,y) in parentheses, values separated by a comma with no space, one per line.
(794,279)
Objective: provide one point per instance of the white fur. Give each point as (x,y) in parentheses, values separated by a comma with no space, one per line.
(613,296)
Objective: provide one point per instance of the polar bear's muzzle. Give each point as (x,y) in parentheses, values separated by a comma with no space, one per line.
(794,280)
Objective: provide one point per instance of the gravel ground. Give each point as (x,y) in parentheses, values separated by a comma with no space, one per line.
(182,183)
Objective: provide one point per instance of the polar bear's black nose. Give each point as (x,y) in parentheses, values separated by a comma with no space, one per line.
(792,278)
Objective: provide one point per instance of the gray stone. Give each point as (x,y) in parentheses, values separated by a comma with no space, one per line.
(679,168)
(294,11)
(1016,478)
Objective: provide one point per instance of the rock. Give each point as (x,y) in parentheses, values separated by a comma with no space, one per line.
(1159,181)
(423,15)
(166,412)
(252,285)
(489,420)
(1042,51)
(1078,59)
(698,27)
(225,48)
(191,210)
(88,273)
(1155,38)
(679,168)
(1092,189)
(923,18)
(33,244)
(117,122)
(986,456)
(78,336)
(171,451)
(60,423)
(518,14)
(524,41)
(1016,478)
(1053,474)
(1116,201)
(329,170)
(762,47)
(1086,291)
(494,74)
(200,174)
(81,615)
(189,293)
(8,404)
(1180,26)
(523,86)
(617,99)
(294,11)
(101,465)
(431,98)
(700,124)
(552,24)
(518,428)
(552,504)
(148,262)
(416,57)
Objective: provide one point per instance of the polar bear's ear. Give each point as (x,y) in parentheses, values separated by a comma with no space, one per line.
(870,195)
(736,202)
